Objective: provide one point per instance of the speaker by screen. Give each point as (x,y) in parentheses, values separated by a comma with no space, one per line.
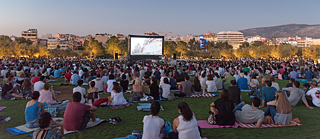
(116,56)
(174,56)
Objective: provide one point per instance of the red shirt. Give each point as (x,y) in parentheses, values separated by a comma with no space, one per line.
(73,115)
(68,76)
(35,79)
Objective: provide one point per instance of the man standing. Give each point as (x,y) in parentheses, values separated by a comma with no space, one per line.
(77,115)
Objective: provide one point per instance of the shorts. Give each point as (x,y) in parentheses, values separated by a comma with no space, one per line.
(86,118)
(33,124)
(8,96)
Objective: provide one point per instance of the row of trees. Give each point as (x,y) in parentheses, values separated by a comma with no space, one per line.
(23,47)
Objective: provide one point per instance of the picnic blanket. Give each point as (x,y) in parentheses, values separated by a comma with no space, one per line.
(294,122)
(146,107)
(23,128)
(175,90)
(146,101)
(205,124)
(1,108)
(128,91)
(203,95)
(245,90)
(114,107)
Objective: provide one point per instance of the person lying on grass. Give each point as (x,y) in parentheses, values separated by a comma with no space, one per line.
(46,129)
(247,114)
(280,109)
(296,94)
(152,124)
(77,115)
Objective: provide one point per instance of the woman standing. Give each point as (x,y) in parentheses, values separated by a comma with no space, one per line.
(185,126)
(222,109)
(280,109)
(152,124)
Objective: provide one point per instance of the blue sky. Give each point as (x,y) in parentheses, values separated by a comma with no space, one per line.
(181,17)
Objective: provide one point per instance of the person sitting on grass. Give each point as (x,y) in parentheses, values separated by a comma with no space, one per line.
(38,86)
(32,110)
(280,109)
(67,77)
(173,83)
(235,92)
(211,84)
(185,126)
(47,95)
(74,78)
(306,87)
(268,93)
(46,130)
(274,84)
(117,95)
(124,83)
(296,94)
(92,92)
(77,115)
(154,89)
(110,83)
(290,84)
(8,89)
(81,90)
(242,82)
(247,114)
(165,88)
(222,109)
(152,124)
(196,86)
(186,88)
(314,93)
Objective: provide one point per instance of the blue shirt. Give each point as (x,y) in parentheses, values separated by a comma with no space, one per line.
(74,79)
(268,93)
(309,75)
(32,112)
(293,74)
(242,83)
(56,74)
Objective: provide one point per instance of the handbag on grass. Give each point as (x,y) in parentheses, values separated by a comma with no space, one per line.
(212,119)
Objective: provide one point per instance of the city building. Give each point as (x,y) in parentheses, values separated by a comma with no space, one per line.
(305,42)
(52,43)
(31,34)
(252,39)
(42,42)
(46,36)
(189,37)
(316,41)
(102,38)
(151,34)
(121,37)
(210,36)
(68,37)
(13,38)
(234,38)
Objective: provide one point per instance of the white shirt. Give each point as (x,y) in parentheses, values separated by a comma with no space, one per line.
(118,98)
(161,80)
(248,78)
(110,85)
(162,72)
(4,72)
(165,90)
(189,129)
(38,86)
(80,72)
(276,85)
(315,94)
(151,127)
(211,86)
(82,91)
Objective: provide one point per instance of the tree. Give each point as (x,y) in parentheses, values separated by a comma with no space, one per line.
(193,44)
(58,47)
(244,45)
(182,48)
(124,46)
(257,43)
(113,45)
(169,48)
(22,40)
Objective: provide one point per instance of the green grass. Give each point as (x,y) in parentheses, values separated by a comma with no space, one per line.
(200,106)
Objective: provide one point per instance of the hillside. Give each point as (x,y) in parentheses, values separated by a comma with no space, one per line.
(288,30)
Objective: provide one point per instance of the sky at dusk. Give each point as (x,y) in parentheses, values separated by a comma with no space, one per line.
(181,17)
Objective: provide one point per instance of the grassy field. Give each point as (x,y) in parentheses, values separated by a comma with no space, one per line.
(200,106)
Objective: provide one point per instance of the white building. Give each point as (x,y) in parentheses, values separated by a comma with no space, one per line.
(234,38)
(52,43)
(305,42)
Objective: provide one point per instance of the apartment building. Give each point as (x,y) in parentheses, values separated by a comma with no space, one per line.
(31,34)
(234,38)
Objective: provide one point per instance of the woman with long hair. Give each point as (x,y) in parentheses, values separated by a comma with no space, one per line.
(165,88)
(222,109)
(152,124)
(196,86)
(47,95)
(117,95)
(185,126)
(154,89)
(46,129)
(211,84)
(203,80)
(218,81)
(27,87)
(280,109)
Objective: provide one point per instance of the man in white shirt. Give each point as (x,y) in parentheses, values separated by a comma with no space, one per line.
(38,86)
(99,84)
(110,83)
(4,72)
(274,84)
(81,90)
(315,94)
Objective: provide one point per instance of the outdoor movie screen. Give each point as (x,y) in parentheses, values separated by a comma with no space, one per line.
(141,45)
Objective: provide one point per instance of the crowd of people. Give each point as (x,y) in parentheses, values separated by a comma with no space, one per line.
(29,79)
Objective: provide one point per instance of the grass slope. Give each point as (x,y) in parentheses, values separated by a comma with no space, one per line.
(200,106)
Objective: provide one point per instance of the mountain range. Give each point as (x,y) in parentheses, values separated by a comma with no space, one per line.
(287,30)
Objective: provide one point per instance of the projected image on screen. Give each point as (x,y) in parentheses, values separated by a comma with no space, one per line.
(146,46)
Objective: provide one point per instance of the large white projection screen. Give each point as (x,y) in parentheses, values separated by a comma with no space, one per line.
(146,46)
